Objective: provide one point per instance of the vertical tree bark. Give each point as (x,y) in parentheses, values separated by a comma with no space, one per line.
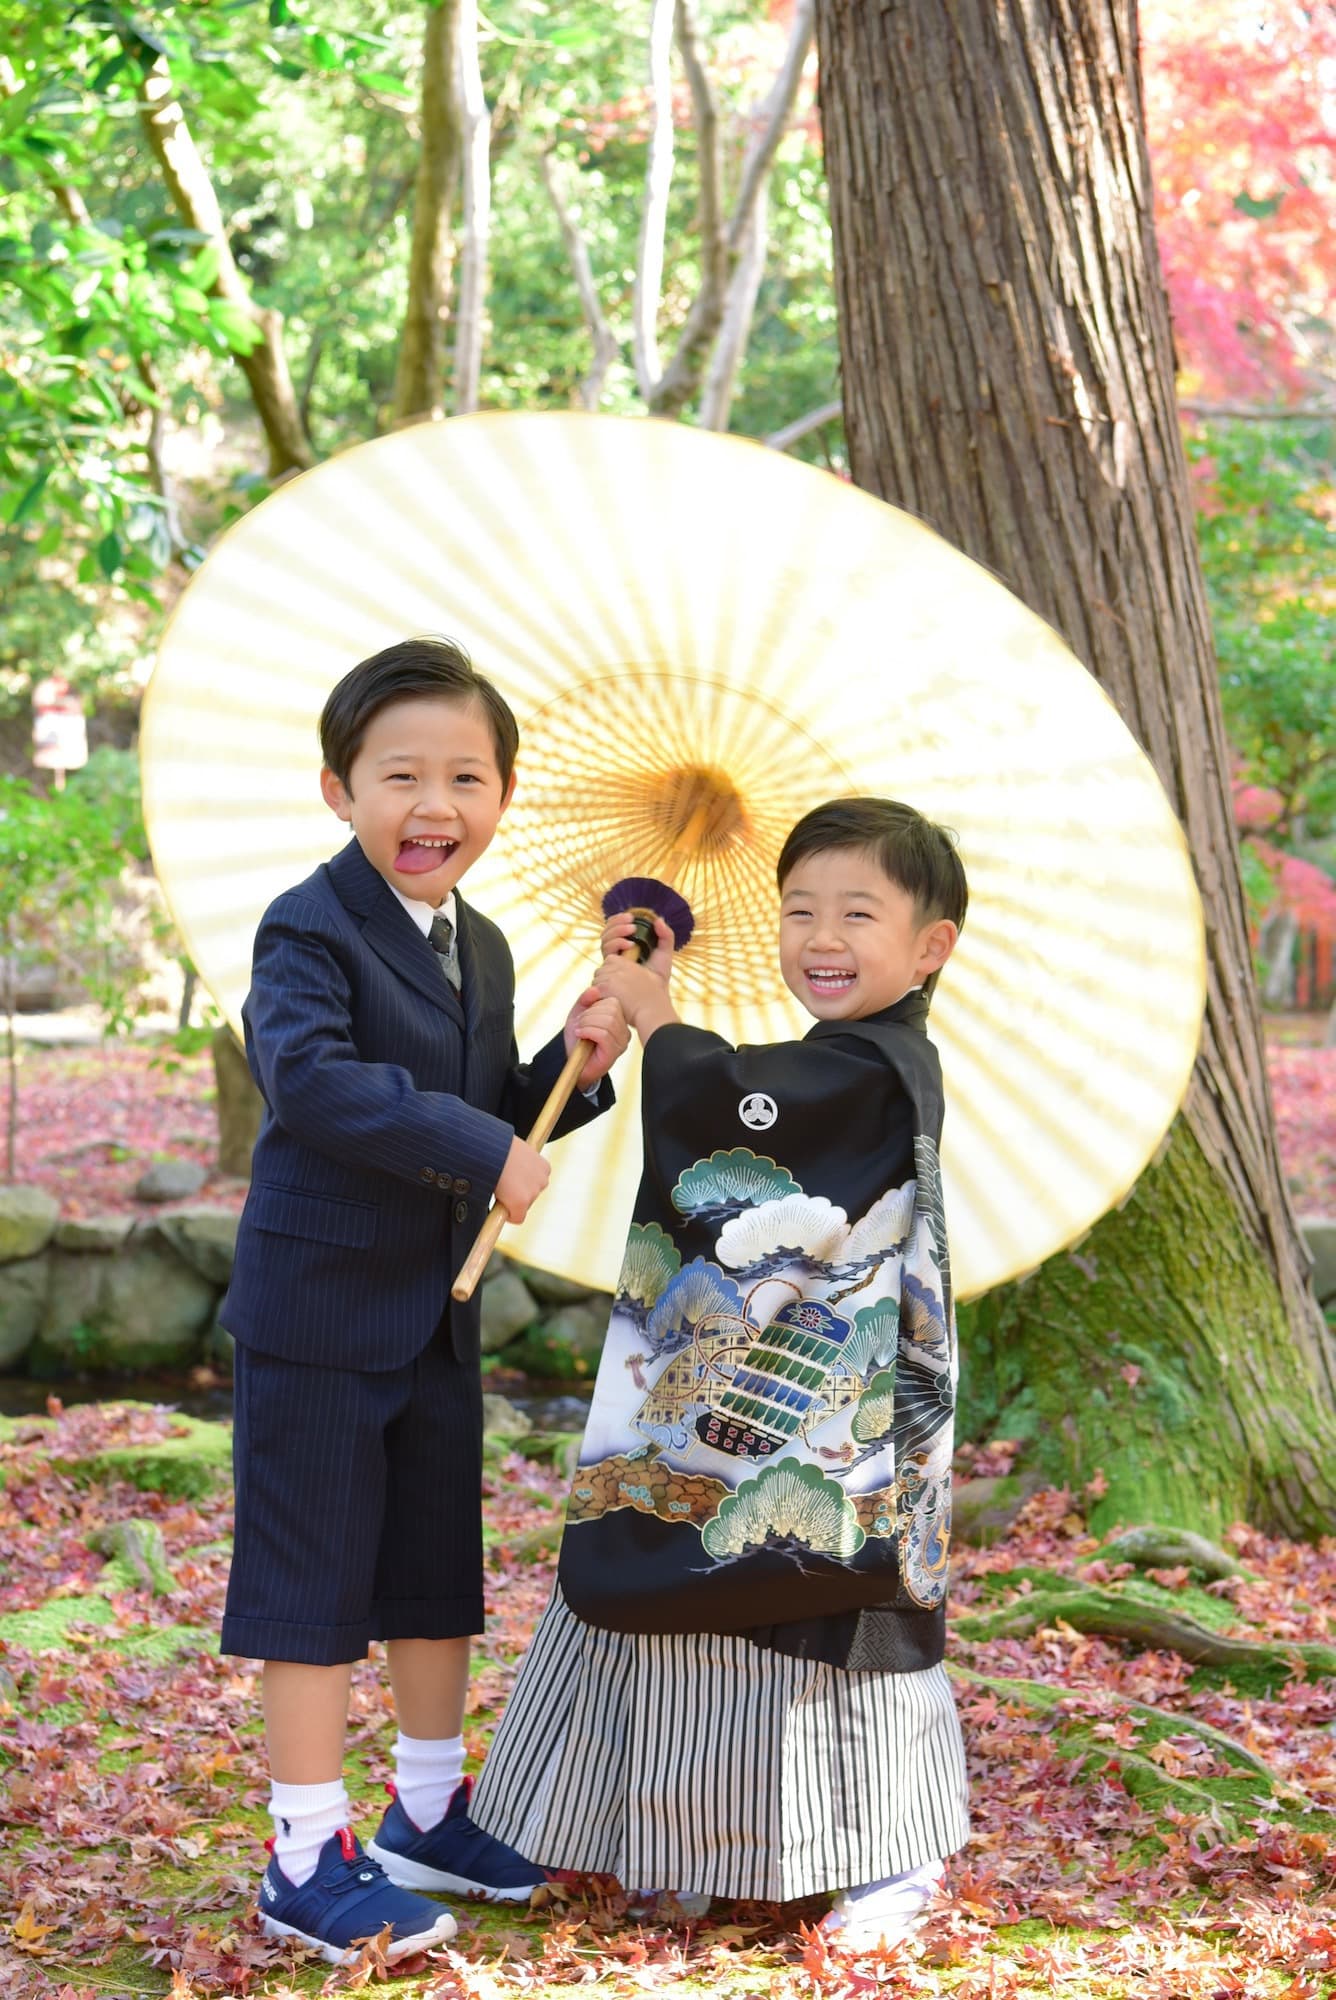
(266,365)
(419,383)
(475,151)
(1009,376)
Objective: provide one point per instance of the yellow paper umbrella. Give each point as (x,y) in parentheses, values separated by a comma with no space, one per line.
(676,617)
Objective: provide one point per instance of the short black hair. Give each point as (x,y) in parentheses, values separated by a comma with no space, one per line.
(909,850)
(408,671)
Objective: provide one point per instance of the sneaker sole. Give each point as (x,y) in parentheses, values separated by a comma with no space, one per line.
(344,1954)
(407,1874)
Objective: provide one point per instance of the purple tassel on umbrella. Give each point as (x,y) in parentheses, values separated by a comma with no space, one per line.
(642,894)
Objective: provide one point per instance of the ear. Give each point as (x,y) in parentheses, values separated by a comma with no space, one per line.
(508,793)
(936,945)
(336,794)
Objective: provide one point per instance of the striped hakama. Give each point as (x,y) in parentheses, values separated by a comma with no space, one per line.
(703,1763)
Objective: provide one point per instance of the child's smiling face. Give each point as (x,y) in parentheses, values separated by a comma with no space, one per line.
(424,793)
(850,940)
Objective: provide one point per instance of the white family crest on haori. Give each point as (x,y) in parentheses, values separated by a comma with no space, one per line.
(794,1390)
(758,1111)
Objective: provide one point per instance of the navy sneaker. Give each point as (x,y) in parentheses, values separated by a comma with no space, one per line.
(346,1901)
(453,1854)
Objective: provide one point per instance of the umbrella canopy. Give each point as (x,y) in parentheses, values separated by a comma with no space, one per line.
(679,617)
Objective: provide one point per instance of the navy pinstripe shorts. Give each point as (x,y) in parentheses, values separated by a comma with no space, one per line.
(359,1506)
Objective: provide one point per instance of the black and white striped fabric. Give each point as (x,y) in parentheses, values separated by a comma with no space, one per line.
(700,1763)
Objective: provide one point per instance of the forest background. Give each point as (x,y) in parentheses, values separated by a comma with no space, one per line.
(241,236)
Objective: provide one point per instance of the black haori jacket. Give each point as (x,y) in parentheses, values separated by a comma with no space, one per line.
(769,1446)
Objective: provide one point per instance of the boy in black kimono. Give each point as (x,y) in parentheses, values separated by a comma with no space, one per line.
(738,1688)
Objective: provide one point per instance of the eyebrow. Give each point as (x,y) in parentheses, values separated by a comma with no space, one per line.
(847,895)
(415,757)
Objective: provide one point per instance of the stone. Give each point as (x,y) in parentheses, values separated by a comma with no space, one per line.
(550,1289)
(28,1217)
(105,1233)
(564,1347)
(170,1180)
(501,1419)
(22,1301)
(1319,1233)
(136,1558)
(508,1306)
(206,1237)
(240,1105)
(143,1308)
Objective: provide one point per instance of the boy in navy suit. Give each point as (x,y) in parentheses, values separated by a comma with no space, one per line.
(379,1027)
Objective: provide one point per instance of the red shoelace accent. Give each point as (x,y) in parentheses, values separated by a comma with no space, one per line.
(347,1843)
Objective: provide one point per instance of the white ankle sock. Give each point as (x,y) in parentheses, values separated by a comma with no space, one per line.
(304,1818)
(427,1772)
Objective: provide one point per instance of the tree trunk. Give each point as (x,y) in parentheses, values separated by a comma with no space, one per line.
(475,151)
(1008,375)
(265,366)
(419,383)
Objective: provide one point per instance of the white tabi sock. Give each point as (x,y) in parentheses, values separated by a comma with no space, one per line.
(427,1772)
(305,1817)
(884,1912)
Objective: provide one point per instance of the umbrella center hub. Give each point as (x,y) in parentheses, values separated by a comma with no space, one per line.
(697,810)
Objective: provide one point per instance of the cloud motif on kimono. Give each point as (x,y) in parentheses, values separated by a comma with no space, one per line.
(651,1259)
(874,1412)
(883,1230)
(802,1225)
(700,1291)
(729,1181)
(810,1227)
(789,1503)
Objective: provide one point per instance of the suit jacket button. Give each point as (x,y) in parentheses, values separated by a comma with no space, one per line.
(463,1187)
(427,1174)
(461,1211)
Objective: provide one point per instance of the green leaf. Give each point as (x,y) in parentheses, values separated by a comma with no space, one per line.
(109,555)
(325,51)
(1258,210)
(51,539)
(381,80)
(235,324)
(204,271)
(28,502)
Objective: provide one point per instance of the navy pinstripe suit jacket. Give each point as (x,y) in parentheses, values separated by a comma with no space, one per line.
(390,1105)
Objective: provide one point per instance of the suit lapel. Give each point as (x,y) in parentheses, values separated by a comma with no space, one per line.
(483,992)
(390,931)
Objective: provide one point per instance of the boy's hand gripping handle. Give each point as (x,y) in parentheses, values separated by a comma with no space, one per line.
(471,1270)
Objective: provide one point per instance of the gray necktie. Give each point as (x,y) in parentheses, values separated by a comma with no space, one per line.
(443,944)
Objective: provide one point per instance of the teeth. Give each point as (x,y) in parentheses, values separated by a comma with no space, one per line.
(422,841)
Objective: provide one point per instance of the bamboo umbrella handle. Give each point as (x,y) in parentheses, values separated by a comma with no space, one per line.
(476,1262)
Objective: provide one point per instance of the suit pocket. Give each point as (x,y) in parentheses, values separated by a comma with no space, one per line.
(319,1218)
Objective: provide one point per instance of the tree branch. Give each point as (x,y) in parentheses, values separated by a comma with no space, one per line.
(1302,413)
(744,239)
(476,139)
(654,215)
(606,344)
(772,116)
(681,377)
(826,413)
(740,305)
(419,382)
(265,366)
